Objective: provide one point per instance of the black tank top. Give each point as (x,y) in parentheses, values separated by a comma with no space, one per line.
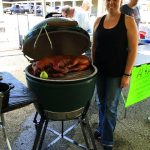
(111,48)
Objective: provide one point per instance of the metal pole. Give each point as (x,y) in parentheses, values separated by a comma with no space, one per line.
(148,119)
(34,8)
(61,3)
(28,22)
(100,7)
(1,7)
(44,7)
(20,37)
(73,3)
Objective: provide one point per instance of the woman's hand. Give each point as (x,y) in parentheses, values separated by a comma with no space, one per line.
(125,81)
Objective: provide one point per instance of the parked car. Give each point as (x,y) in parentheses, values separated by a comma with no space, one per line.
(29,8)
(6,10)
(15,9)
(39,10)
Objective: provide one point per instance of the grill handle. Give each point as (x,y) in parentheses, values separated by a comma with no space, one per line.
(62,24)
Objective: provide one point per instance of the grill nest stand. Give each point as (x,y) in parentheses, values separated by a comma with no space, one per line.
(80,115)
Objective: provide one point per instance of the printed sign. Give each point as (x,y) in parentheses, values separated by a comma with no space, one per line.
(139,85)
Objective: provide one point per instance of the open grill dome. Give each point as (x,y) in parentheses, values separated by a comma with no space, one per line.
(56,36)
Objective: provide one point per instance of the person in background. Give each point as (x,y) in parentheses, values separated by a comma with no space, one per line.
(86,6)
(114,49)
(79,15)
(131,9)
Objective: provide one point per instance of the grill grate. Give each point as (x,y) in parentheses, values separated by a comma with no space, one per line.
(70,75)
(74,75)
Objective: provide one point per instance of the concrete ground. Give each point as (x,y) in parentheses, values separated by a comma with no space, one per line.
(132,132)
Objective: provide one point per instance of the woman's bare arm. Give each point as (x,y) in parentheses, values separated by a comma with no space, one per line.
(94,41)
(132,36)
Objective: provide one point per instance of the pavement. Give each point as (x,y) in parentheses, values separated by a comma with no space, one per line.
(132,132)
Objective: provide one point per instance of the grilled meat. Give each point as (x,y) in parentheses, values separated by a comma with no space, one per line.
(57,66)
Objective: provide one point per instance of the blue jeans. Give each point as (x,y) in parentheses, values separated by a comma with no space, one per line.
(109,91)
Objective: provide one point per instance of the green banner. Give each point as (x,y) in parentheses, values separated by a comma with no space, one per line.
(139,85)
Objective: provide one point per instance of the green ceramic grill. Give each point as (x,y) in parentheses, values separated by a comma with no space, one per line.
(62,97)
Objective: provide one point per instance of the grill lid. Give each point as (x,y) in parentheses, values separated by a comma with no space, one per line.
(56,36)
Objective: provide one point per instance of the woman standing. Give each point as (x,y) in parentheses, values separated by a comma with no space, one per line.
(114,50)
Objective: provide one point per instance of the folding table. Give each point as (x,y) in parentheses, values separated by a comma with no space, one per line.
(20,96)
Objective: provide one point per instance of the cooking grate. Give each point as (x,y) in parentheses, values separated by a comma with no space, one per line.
(74,75)
(69,76)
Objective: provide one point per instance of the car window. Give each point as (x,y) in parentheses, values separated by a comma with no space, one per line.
(17,6)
